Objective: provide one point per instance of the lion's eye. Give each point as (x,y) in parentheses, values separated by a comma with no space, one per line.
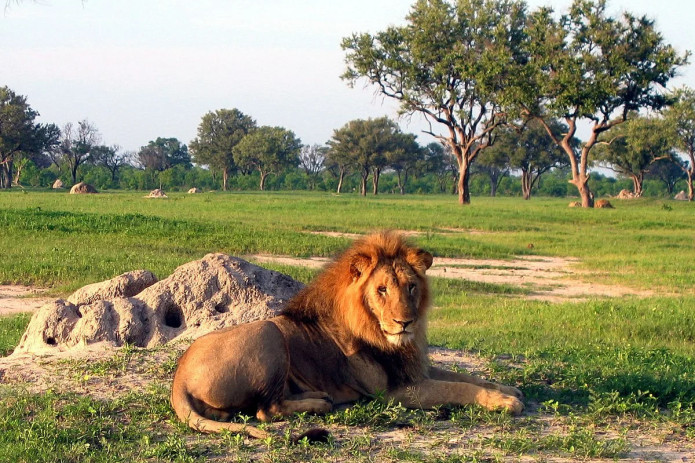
(412,288)
(382,290)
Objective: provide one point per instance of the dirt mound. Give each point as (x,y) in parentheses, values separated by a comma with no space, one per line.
(681,196)
(575,204)
(201,296)
(82,188)
(194,190)
(157,193)
(626,194)
(58,184)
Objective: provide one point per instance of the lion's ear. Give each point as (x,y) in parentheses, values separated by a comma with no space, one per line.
(359,264)
(419,259)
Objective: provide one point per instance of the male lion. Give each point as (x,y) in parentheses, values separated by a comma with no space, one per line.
(357,330)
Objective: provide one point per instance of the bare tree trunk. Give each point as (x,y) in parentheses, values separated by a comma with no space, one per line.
(341,176)
(73,172)
(363,184)
(225,176)
(637,185)
(690,184)
(376,172)
(263,177)
(584,193)
(463,184)
(526,184)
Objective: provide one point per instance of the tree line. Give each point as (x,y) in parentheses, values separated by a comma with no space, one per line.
(504,90)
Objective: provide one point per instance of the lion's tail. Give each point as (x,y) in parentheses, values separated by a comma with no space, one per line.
(183,406)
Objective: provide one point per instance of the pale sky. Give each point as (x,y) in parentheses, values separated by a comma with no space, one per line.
(142,69)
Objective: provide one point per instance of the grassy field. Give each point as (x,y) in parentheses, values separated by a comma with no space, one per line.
(600,376)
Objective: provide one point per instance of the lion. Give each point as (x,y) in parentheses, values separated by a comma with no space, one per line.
(358,330)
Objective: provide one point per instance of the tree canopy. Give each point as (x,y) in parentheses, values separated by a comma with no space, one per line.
(460,65)
(218,133)
(594,67)
(20,136)
(634,146)
(268,150)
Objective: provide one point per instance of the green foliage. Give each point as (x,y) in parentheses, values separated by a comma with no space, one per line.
(458,65)
(267,150)
(590,65)
(218,133)
(632,148)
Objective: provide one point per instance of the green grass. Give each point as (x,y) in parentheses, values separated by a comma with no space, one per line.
(640,243)
(599,369)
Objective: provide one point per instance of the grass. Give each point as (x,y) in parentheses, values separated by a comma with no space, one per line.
(599,374)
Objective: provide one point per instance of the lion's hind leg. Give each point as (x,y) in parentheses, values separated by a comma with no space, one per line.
(318,403)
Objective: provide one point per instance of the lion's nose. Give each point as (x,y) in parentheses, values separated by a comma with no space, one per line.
(403,323)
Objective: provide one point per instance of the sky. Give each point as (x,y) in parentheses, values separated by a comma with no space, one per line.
(142,69)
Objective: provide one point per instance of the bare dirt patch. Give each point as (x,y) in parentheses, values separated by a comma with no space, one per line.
(554,279)
(17,298)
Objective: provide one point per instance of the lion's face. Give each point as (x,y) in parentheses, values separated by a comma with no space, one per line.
(393,295)
(394,291)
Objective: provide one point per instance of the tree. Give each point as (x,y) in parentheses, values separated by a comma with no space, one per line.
(681,119)
(532,151)
(110,157)
(164,153)
(76,144)
(634,146)
(364,144)
(337,162)
(458,65)
(403,156)
(218,133)
(20,137)
(437,160)
(268,150)
(669,171)
(311,160)
(593,67)
(494,161)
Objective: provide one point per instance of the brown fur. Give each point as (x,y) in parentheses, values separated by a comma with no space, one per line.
(358,329)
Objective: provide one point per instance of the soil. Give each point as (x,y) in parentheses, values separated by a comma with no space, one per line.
(554,279)
(17,298)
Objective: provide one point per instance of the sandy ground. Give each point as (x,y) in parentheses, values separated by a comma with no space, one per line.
(554,279)
(17,298)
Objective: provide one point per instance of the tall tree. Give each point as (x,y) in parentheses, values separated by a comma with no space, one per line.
(403,156)
(311,160)
(19,135)
(218,133)
(76,144)
(268,150)
(594,67)
(494,161)
(163,153)
(338,161)
(634,146)
(669,171)
(681,118)
(363,143)
(438,160)
(110,157)
(457,64)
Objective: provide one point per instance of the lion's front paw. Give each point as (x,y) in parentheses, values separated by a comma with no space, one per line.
(512,391)
(502,402)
